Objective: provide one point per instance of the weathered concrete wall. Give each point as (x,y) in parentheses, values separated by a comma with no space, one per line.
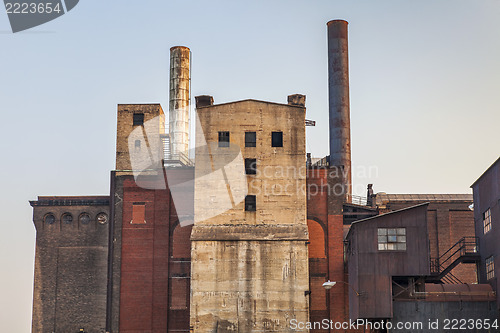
(248,286)
(250,268)
(70,265)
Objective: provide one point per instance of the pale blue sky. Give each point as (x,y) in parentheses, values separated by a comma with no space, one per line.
(424,94)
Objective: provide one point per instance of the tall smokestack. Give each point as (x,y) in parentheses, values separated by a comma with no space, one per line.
(338,98)
(178,112)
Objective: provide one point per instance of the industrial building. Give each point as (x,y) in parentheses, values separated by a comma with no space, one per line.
(229,242)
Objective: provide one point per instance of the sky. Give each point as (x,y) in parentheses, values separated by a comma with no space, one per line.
(424,93)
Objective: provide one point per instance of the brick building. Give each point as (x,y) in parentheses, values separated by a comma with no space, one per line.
(252,261)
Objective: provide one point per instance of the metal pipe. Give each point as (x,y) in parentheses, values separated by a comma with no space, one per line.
(180,60)
(338,98)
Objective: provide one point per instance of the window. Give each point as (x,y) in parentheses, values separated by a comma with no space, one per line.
(84,218)
(138,119)
(49,218)
(487,221)
(223,139)
(250,205)
(277,139)
(250,139)
(138,213)
(67,218)
(102,218)
(250,166)
(490,268)
(137,144)
(391,239)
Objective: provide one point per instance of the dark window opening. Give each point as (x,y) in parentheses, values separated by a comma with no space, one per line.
(250,166)
(50,218)
(67,218)
(223,139)
(277,139)
(84,219)
(250,205)
(137,144)
(138,119)
(250,139)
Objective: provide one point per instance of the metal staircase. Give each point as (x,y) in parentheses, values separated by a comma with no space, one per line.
(465,251)
(170,159)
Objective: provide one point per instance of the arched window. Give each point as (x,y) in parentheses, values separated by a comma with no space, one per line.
(316,239)
(181,242)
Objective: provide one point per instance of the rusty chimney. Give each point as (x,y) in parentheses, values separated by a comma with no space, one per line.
(178,111)
(338,98)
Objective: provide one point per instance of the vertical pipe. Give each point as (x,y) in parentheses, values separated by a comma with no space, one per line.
(180,59)
(338,98)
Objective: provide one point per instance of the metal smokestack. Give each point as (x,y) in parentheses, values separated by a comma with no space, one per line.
(338,98)
(178,111)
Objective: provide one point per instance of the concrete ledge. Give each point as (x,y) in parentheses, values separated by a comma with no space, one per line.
(250,232)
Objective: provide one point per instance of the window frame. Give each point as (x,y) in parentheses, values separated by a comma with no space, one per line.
(138,119)
(250,142)
(250,203)
(249,170)
(138,213)
(391,239)
(223,135)
(489,264)
(279,143)
(487,221)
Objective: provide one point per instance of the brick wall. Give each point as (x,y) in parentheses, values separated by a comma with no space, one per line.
(155,263)
(325,221)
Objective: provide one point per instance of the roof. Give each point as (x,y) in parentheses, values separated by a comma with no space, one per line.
(485,172)
(384,197)
(252,100)
(369,219)
(94,200)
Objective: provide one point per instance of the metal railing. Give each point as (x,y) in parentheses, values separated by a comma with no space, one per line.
(356,199)
(465,246)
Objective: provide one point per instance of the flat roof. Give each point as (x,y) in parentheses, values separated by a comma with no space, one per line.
(423,197)
(84,200)
(253,100)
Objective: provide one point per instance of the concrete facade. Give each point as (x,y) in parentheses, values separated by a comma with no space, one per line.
(249,268)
